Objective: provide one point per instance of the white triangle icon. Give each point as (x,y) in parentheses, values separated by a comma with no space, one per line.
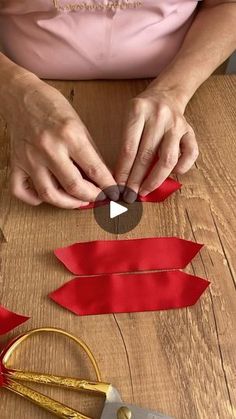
(116,209)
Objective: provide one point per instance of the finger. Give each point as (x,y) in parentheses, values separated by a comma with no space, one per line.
(132,136)
(70,179)
(168,158)
(151,138)
(189,153)
(85,155)
(21,188)
(49,191)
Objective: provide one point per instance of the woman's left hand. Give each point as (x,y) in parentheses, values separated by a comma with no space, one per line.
(156,128)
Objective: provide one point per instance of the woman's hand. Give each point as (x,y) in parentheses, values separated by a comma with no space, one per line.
(49,146)
(156,129)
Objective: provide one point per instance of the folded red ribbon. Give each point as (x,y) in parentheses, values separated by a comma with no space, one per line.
(112,256)
(2,377)
(9,320)
(121,293)
(3,380)
(3,370)
(158,195)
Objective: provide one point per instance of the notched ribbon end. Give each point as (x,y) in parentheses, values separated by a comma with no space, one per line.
(9,320)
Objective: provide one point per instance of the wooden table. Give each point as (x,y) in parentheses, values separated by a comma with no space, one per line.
(181,362)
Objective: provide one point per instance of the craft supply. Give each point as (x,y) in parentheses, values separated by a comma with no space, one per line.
(9,320)
(12,379)
(168,187)
(121,293)
(133,255)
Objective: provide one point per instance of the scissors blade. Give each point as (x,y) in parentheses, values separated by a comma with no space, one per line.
(110,412)
(113,396)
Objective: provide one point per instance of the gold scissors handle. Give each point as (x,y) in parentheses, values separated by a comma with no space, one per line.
(25,336)
(52,406)
(59,409)
(71,383)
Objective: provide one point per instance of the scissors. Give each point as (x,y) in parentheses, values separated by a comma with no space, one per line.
(114,408)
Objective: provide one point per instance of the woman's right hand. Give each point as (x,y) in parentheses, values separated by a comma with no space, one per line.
(47,139)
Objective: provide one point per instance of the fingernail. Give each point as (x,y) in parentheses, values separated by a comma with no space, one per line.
(101,196)
(129,196)
(143,192)
(121,188)
(113,193)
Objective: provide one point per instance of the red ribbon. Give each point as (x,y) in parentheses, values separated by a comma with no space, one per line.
(2,378)
(112,256)
(158,195)
(130,293)
(9,320)
(3,371)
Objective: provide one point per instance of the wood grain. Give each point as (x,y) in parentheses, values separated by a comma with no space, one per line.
(182,362)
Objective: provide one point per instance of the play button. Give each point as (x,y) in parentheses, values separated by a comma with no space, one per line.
(117,217)
(116,209)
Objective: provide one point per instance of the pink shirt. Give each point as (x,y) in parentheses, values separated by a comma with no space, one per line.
(93,39)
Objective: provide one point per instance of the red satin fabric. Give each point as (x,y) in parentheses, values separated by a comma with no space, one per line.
(2,378)
(9,320)
(161,193)
(3,371)
(120,293)
(158,195)
(112,256)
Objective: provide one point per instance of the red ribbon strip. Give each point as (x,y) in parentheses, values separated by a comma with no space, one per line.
(2,378)
(113,256)
(3,371)
(122,293)
(9,320)
(158,195)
